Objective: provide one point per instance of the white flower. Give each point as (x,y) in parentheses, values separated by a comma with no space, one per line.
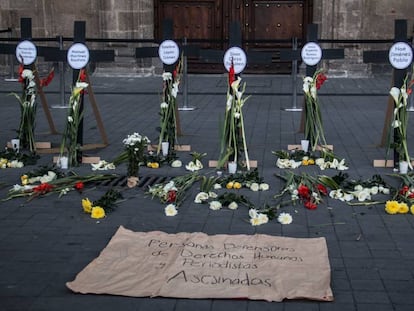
(263,218)
(176,163)
(313,91)
(237,115)
(170,210)
(167,76)
(15,164)
(396,123)
(358,188)
(201,197)
(164,105)
(174,90)
(255,221)
(215,205)
(32,84)
(217,186)
(82,85)
(363,195)
(212,195)
(395,93)
(374,190)
(336,194)
(229,101)
(341,166)
(285,218)
(254,186)
(27,73)
(70,119)
(194,166)
(102,165)
(48,178)
(347,197)
(233,205)
(320,162)
(386,191)
(169,186)
(259,219)
(253,213)
(264,187)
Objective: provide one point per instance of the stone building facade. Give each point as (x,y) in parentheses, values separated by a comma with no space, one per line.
(134,19)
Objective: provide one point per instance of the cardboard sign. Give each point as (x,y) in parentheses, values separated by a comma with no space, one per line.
(197,265)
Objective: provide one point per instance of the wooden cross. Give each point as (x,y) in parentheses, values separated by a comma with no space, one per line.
(398,77)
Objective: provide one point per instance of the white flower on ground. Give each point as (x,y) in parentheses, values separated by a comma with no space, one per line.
(253,213)
(15,164)
(170,210)
(215,205)
(364,195)
(194,166)
(285,218)
(258,219)
(386,191)
(254,186)
(263,218)
(201,197)
(176,163)
(48,178)
(374,190)
(233,205)
(217,186)
(169,186)
(264,187)
(212,194)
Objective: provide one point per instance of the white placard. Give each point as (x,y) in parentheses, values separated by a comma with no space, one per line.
(311,53)
(78,56)
(26,52)
(238,56)
(400,55)
(169,52)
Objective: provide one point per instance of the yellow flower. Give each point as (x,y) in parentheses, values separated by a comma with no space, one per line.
(236,185)
(149,164)
(392,207)
(24,179)
(155,165)
(87,205)
(311,162)
(305,162)
(97,212)
(412,209)
(403,208)
(230,185)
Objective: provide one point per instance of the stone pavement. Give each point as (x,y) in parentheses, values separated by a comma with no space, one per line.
(46,242)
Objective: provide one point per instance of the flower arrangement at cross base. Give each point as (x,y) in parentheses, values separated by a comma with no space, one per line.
(28,107)
(314,131)
(232,132)
(399,124)
(168,109)
(402,200)
(135,146)
(70,144)
(324,159)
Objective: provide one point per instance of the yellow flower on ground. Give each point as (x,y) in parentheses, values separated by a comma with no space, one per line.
(412,209)
(87,205)
(311,162)
(403,208)
(230,185)
(155,165)
(97,212)
(24,179)
(305,162)
(392,207)
(236,185)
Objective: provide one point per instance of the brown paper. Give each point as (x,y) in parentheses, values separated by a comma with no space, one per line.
(197,265)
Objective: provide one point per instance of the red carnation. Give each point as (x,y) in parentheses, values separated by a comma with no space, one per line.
(310,205)
(43,188)
(322,189)
(172,196)
(232,74)
(404,190)
(79,186)
(320,79)
(303,191)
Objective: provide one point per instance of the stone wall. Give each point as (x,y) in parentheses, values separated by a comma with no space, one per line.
(133,19)
(359,20)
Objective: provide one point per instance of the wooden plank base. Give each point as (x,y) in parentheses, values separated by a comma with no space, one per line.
(386,163)
(299,147)
(213,163)
(176,148)
(85,160)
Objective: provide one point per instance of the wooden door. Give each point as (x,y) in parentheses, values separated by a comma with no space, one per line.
(262,21)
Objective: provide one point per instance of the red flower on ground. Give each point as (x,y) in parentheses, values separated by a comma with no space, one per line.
(322,189)
(79,186)
(404,190)
(43,188)
(172,196)
(303,191)
(310,205)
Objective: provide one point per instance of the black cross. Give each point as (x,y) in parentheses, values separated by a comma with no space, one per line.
(294,55)
(398,77)
(235,39)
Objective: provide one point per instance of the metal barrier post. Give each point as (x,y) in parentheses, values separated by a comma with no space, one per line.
(185,82)
(61,79)
(294,78)
(11,61)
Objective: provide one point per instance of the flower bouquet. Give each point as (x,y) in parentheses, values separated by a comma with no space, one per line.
(168,107)
(313,118)
(135,146)
(70,142)
(399,123)
(28,107)
(232,132)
